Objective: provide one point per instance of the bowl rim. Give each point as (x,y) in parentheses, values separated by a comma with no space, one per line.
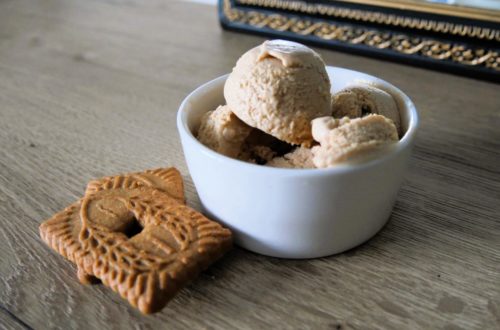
(404,143)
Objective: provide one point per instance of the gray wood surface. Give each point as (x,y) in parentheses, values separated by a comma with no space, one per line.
(91,88)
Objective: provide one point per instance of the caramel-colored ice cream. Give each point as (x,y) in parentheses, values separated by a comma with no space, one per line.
(301,157)
(222,131)
(361,99)
(279,87)
(348,140)
(279,104)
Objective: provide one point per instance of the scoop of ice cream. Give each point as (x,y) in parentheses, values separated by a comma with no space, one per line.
(351,140)
(279,87)
(360,99)
(222,131)
(301,157)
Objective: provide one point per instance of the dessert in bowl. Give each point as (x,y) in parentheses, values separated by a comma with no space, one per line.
(289,177)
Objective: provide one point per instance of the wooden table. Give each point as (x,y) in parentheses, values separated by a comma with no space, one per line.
(91,88)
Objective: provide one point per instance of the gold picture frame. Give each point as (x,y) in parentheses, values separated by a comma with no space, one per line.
(435,8)
(440,41)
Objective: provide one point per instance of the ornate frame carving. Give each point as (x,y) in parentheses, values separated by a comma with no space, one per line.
(466,47)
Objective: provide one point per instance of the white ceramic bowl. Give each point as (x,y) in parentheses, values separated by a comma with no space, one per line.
(295,213)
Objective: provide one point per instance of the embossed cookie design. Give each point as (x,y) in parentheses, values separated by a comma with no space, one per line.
(134,233)
(168,180)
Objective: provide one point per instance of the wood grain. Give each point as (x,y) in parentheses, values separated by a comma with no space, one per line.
(90,88)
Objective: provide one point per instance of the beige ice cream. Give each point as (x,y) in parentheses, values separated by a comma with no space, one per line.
(279,87)
(360,99)
(258,154)
(261,147)
(278,97)
(351,140)
(222,131)
(301,157)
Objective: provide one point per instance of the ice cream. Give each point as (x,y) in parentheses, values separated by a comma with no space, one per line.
(260,148)
(279,105)
(222,131)
(351,140)
(279,87)
(360,99)
(301,157)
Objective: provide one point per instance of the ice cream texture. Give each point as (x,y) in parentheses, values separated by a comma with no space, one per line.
(280,113)
(351,140)
(360,99)
(279,87)
(222,131)
(301,157)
